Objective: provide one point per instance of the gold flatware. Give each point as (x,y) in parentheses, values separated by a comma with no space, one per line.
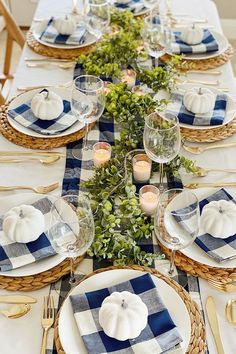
(28,88)
(226,287)
(230,312)
(204,72)
(213,321)
(45,161)
(17,299)
(190,81)
(49,60)
(29,153)
(16,311)
(209,185)
(58,65)
(47,320)
(184,19)
(200,149)
(202,172)
(39,189)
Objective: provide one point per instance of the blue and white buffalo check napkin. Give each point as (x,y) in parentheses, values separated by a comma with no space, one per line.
(208,44)
(214,117)
(134,6)
(217,248)
(15,255)
(51,35)
(25,117)
(160,334)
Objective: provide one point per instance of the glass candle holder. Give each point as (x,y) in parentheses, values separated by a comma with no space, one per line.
(129,77)
(101,153)
(142,167)
(148,199)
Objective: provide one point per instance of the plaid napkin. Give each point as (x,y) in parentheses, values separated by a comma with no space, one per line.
(215,117)
(208,44)
(51,35)
(159,336)
(134,6)
(15,255)
(217,248)
(24,116)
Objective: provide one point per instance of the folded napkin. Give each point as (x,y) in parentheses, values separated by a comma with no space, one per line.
(160,334)
(51,35)
(215,117)
(14,255)
(217,248)
(25,117)
(134,6)
(208,44)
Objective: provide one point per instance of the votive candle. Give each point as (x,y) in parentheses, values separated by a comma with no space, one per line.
(142,166)
(148,199)
(101,153)
(129,76)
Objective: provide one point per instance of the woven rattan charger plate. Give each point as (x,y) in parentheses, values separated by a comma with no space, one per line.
(27,141)
(37,281)
(197,342)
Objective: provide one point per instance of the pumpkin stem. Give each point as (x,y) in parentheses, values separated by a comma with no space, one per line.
(193,26)
(21,215)
(221,210)
(47,95)
(200,91)
(124,304)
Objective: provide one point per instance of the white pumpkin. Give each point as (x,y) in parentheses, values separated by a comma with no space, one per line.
(199,100)
(23,223)
(193,35)
(123,315)
(218,218)
(65,25)
(47,105)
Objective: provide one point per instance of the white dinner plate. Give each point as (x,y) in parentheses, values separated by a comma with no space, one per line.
(26,97)
(70,338)
(230,108)
(36,267)
(38,29)
(194,251)
(221,40)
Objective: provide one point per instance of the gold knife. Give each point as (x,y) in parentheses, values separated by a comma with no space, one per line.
(17,299)
(213,321)
(208,185)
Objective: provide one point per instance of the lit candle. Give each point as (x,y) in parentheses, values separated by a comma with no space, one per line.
(148,199)
(142,166)
(106,88)
(139,90)
(101,153)
(129,76)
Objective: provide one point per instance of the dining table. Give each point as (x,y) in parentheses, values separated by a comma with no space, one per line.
(24,335)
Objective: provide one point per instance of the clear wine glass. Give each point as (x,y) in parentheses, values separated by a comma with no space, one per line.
(161,139)
(177,221)
(87,103)
(71,230)
(98,17)
(154,38)
(152,5)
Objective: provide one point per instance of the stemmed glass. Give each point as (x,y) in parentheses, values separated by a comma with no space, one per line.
(161,139)
(98,17)
(71,230)
(152,5)
(87,103)
(177,221)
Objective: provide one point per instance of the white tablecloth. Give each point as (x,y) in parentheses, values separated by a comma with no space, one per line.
(23,336)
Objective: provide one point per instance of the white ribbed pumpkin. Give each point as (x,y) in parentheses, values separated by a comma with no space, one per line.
(65,25)
(193,35)
(123,315)
(47,105)
(23,223)
(199,100)
(218,218)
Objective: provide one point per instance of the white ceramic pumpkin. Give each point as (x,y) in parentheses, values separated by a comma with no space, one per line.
(193,35)
(123,315)
(65,25)
(47,105)
(23,224)
(218,218)
(199,100)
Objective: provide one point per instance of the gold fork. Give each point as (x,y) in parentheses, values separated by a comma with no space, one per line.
(39,189)
(226,287)
(47,320)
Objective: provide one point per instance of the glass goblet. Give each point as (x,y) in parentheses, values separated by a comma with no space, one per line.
(177,221)
(161,140)
(154,38)
(71,230)
(98,17)
(87,103)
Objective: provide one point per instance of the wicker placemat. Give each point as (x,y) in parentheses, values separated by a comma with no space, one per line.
(197,342)
(204,64)
(37,281)
(209,135)
(31,142)
(55,52)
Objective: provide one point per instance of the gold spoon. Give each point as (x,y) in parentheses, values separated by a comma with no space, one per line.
(199,149)
(59,65)
(16,311)
(230,312)
(45,161)
(202,172)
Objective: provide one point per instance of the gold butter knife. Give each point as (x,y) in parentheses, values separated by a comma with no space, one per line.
(213,321)
(209,185)
(17,299)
